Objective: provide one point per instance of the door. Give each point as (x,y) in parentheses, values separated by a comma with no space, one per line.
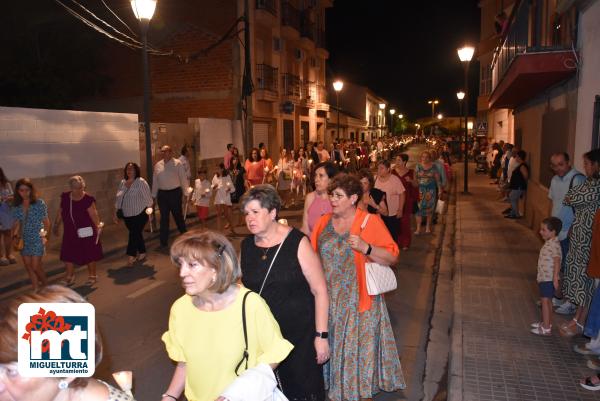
(288,134)
(304,133)
(260,134)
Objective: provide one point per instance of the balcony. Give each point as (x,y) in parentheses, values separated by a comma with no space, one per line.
(307,33)
(290,21)
(321,103)
(521,67)
(266,12)
(308,94)
(267,83)
(320,43)
(290,85)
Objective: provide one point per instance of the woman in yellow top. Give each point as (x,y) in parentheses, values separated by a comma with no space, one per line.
(205,335)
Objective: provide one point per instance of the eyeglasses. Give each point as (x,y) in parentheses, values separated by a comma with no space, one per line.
(336,196)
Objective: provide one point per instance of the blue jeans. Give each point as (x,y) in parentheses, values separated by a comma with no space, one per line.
(592,325)
(514,196)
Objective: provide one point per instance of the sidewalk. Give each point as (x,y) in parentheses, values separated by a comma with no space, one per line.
(493,355)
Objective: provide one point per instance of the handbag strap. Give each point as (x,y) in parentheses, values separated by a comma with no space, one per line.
(272,261)
(128,188)
(245,356)
(71,208)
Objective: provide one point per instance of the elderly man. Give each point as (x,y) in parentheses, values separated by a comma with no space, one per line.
(564,179)
(168,185)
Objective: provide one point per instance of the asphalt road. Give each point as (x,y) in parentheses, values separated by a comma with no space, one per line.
(132,306)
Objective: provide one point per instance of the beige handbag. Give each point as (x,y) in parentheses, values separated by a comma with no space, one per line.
(380,278)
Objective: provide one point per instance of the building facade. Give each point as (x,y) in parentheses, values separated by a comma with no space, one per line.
(543,73)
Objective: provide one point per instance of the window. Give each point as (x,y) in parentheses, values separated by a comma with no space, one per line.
(276,44)
(485,78)
(315,62)
(298,54)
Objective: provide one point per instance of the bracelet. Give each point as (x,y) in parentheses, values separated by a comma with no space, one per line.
(168,395)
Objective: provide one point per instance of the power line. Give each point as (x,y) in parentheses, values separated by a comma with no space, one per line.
(117,17)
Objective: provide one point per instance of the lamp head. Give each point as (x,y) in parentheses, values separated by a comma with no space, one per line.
(465,54)
(143,9)
(440,116)
(382,106)
(460,95)
(400,116)
(392,111)
(338,85)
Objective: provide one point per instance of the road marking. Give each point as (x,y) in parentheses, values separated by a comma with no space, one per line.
(145,289)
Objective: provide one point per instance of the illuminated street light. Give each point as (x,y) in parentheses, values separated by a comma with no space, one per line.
(382,108)
(144,10)
(460,95)
(470,125)
(433,103)
(337,86)
(465,54)
(440,116)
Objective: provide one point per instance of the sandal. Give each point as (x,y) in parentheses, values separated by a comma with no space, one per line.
(589,385)
(67,281)
(570,330)
(141,257)
(131,260)
(91,281)
(541,331)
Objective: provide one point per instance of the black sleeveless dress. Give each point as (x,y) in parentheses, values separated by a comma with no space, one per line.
(287,293)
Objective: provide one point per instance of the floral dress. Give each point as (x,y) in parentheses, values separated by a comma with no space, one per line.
(31,224)
(578,287)
(364,358)
(427,189)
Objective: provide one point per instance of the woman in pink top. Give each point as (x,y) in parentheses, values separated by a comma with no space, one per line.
(255,168)
(394,195)
(317,202)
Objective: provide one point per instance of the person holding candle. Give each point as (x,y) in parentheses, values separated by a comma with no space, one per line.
(268,166)
(201,197)
(284,174)
(30,215)
(317,203)
(205,336)
(6,220)
(222,183)
(14,387)
(78,214)
(255,173)
(238,177)
(301,172)
(133,197)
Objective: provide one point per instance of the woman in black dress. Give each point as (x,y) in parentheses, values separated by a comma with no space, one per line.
(278,262)
(238,176)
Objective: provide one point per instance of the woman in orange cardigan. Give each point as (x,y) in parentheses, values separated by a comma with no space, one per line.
(364,358)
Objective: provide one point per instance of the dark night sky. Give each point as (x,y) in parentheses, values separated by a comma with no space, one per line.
(405,51)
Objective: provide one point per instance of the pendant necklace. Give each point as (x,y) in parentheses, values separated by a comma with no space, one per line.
(265,252)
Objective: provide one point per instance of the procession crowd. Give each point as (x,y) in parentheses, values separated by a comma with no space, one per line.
(293,314)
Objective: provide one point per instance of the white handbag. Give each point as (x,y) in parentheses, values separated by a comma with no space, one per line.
(83,232)
(439,207)
(380,278)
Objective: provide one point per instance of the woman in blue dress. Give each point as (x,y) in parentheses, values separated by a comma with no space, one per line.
(31,217)
(428,181)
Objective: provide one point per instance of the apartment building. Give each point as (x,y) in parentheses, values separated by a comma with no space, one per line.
(361,117)
(540,83)
(203,77)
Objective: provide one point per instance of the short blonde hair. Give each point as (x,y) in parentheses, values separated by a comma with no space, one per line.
(76,179)
(213,250)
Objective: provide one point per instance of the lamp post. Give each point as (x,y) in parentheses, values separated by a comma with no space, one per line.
(465,54)
(460,96)
(144,10)
(392,112)
(382,108)
(337,86)
(433,103)
(400,117)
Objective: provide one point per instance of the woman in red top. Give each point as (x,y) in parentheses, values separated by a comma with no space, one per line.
(255,169)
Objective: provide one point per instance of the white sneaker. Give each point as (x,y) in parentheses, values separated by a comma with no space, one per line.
(566,309)
(558,301)
(4,262)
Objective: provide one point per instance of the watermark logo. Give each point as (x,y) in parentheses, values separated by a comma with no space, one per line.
(57,340)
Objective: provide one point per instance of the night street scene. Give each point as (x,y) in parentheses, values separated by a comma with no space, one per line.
(303,200)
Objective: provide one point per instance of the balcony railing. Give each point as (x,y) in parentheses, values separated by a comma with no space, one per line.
(267,77)
(308,93)
(321,94)
(517,40)
(267,5)
(290,85)
(320,38)
(307,28)
(290,15)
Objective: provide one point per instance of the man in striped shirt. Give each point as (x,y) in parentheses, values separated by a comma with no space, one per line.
(168,185)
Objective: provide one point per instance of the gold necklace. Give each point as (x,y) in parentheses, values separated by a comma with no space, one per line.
(265,252)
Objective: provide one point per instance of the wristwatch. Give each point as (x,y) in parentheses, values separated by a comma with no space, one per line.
(369,249)
(322,334)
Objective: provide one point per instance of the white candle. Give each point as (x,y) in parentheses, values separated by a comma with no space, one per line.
(190,190)
(283,221)
(100,225)
(149,211)
(43,232)
(266,169)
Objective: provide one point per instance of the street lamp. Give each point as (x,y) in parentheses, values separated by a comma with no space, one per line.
(460,96)
(440,116)
(433,103)
(337,86)
(382,108)
(392,112)
(144,10)
(465,54)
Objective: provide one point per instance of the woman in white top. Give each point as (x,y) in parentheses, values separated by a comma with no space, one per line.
(285,168)
(222,183)
(133,197)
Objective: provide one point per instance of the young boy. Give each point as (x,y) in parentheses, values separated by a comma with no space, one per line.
(548,269)
(201,197)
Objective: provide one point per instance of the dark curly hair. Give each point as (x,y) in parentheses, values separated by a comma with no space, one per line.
(347,183)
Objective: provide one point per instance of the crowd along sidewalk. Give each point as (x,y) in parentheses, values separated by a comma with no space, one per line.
(493,355)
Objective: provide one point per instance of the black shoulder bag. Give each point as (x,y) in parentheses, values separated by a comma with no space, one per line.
(245,355)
